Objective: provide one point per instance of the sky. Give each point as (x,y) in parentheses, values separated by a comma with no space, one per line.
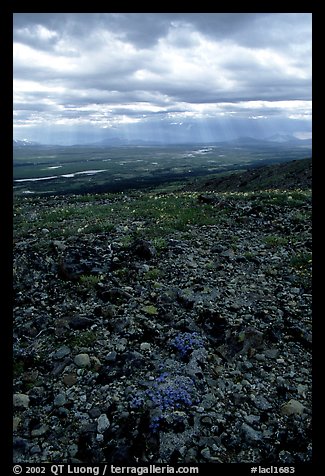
(161,77)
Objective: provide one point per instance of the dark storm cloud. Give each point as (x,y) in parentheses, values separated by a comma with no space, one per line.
(146,28)
(111,67)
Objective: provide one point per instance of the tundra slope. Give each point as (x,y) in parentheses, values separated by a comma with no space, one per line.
(180,333)
(296,174)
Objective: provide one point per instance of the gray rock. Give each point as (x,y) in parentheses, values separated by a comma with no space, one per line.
(206,453)
(60,245)
(40,431)
(251,419)
(60,400)
(73,450)
(252,339)
(70,379)
(262,403)
(103,423)
(272,353)
(63,412)
(58,367)
(250,434)
(20,446)
(61,353)
(82,360)
(218,248)
(111,356)
(80,322)
(228,253)
(145,346)
(260,357)
(292,407)
(15,423)
(36,449)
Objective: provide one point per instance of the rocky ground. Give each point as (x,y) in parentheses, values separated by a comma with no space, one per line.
(137,342)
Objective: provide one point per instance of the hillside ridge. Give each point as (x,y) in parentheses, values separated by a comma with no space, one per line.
(284,176)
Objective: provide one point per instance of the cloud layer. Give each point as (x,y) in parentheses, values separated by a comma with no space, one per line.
(84,76)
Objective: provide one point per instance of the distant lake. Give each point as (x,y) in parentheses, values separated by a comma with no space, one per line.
(51,177)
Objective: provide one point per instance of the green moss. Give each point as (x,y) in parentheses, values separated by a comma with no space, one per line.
(153,274)
(301,261)
(151,310)
(159,243)
(82,339)
(89,281)
(18,368)
(275,240)
(301,216)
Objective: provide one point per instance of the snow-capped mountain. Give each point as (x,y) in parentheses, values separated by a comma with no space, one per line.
(23,142)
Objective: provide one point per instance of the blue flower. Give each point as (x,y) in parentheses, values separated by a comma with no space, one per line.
(186,342)
(137,401)
(162,377)
(169,392)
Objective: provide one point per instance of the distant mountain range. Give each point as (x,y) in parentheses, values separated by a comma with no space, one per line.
(283,138)
(240,141)
(276,139)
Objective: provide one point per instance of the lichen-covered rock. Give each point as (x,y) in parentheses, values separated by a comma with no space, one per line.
(20,400)
(292,407)
(82,360)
